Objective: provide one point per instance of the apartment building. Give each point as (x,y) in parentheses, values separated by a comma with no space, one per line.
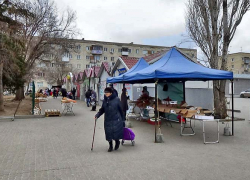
(84,54)
(92,53)
(239,63)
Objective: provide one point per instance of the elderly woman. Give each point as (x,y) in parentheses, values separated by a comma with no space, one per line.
(113,119)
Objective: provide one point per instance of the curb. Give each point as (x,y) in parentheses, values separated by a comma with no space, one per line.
(21,117)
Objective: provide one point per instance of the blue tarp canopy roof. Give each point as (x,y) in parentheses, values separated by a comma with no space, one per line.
(141,64)
(174,66)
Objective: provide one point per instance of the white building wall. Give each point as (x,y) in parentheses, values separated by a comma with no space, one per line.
(199,84)
(103,81)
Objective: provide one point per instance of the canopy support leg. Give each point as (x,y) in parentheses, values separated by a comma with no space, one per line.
(184,91)
(156,108)
(232,89)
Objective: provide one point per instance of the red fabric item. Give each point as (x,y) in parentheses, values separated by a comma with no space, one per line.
(183,119)
(153,122)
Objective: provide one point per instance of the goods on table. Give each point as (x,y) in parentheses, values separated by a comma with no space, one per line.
(67,100)
(40,95)
(41,99)
(52,112)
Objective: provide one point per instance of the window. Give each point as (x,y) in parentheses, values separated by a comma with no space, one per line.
(112,50)
(232,59)
(232,66)
(137,51)
(129,50)
(78,56)
(52,64)
(119,50)
(87,66)
(105,58)
(144,52)
(39,84)
(87,48)
(112,58)
(105,49)
(87,57)
(97,57)
(152,52)
(40,74)
(78,47)
(70,56)
(78,66)
(113,63)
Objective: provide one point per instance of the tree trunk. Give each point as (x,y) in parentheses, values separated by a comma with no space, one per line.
(19,94)
(1,87)
(222,84)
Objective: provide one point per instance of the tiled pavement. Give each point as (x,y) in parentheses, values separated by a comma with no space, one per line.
(59,148)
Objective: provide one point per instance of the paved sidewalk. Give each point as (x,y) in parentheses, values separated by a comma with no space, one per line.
(59,148)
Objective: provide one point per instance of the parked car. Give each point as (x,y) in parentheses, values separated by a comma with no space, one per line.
(245,93)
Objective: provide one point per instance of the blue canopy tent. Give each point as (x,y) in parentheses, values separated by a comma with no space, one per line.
(176,67)
(141,64)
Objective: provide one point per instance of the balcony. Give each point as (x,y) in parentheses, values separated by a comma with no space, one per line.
(95,49)
(124,53)
(96,52)
(65,59)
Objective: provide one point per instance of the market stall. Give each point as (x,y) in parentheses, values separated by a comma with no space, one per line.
(67,106)
(174,67)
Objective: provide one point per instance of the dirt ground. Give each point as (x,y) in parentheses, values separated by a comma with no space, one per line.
(10,106)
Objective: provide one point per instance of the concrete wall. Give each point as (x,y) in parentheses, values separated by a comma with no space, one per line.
(200,97)
(239,86)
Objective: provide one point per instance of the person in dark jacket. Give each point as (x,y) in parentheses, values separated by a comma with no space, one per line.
(54,93)
(87,96)
(124,101)
(93,100)
(113,89)
(113,119)
(74,93)
(64,92)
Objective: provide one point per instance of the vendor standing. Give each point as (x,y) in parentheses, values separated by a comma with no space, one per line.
(145,91)
(124,101)
(113,119)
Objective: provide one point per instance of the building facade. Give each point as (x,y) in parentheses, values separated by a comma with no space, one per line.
(239,63)
(90,53)
(84,54)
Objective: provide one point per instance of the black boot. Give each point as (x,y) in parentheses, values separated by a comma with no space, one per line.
(110,146)
(117,144)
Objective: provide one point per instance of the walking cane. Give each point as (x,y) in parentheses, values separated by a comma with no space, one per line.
(93,136)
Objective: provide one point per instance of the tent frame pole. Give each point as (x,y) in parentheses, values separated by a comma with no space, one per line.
(184,91)
(232,89)
(156,108)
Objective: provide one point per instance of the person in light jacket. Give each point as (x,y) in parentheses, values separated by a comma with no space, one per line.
(113,118)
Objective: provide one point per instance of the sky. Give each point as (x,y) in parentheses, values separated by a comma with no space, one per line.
(149,22)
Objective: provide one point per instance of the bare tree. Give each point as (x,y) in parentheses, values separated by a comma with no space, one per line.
(211,24)
(44,31)
(56,74)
